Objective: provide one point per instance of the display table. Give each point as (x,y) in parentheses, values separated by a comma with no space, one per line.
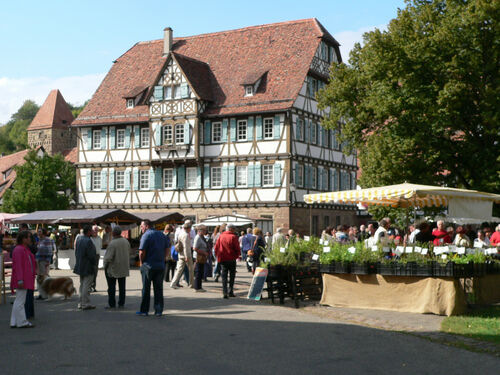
(66,259)
(440,296)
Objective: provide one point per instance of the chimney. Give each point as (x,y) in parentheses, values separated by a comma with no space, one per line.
(167,41)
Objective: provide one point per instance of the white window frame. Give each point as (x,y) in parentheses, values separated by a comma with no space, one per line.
(267,175)
(241,176)
(96,139)
(144,179)
(314,177)
(167,130)
(191,177)
(179,129)
(130,103)
(216,132)
(248,90)
(119,175)
(268,128)
(167,92)
(96,181)
(120,132)
(144,137)
(168,179)
(216,177)
(241,130)
(300,183)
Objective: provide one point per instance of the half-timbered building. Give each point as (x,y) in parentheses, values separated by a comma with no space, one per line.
(216,124)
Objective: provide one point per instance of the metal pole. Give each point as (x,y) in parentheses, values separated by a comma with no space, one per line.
(310,220)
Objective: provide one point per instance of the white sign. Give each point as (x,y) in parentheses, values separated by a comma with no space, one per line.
(326,249)
(386,249)
(461,250)
(446,249)
(307,238)
(418,249)
(444,256)
(266,260)
(408,249)
(479,245)
(315,257)
(399,250)
(453,248)
(282,250)
(352,250)
(491,251)
(424,251)
(321,242)
(374,248)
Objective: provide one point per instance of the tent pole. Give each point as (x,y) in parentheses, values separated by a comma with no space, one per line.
(310,220)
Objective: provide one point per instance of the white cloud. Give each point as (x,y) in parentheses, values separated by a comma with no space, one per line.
(349,37)
(14,91)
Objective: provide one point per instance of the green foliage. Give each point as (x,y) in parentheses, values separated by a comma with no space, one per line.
(296,253)
(420,101)
(76,110)
(41,184)
(13,135)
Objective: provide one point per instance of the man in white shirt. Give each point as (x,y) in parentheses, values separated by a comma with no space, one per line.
(381,236)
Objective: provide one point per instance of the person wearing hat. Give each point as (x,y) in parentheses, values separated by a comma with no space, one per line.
(183,247)
(227,250)
(461,239)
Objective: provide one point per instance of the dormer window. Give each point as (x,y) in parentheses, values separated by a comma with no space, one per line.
(249,90)
(130,103)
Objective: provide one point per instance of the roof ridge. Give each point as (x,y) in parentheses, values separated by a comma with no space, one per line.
(241,29)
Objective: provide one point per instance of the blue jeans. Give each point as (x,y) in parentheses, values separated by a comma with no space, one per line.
(155,276)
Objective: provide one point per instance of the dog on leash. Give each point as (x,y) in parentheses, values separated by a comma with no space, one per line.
(58,285)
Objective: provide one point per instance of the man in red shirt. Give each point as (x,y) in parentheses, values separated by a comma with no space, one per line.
(440,234)
(495,237)
(227,250)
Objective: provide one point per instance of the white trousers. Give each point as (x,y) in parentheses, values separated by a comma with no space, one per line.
(18,315)
(179,271)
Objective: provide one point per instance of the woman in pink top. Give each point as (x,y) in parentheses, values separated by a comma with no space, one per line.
(22,279)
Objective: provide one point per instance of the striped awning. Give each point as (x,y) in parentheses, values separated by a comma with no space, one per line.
(402,195)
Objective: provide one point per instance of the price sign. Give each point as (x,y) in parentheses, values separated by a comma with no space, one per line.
(282,250)
(424,251)
(418,249)
(352,250)
(307,238)
(326,249)
(408,249)
(461,250)
(386,249)
(374,248)
(315,257)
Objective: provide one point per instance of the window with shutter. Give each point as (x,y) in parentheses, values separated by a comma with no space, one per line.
(231,176)
(103,139)
(137,137)
(267,175)
(206,177)
(224,130)
(251,178)
(181,177)
(120,138)
(307,131)
(136,179)
(111,179)
(277,174)
(127,179)
(217,178)
(144,137)
(120,180)
(232,131)
(112,138)
(128,130)
(191,178)
(257,175)
(187,133)
(258,125)
(96,140)
(250,128)
(224,177)
(277,127)
(168,179)
(158,93)
(184,90)
(207,132)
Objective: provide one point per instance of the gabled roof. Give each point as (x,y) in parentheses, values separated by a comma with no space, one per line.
(216,64)
(8,163)
(54,113)
(70,154)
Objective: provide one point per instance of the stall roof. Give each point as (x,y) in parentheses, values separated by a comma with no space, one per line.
(77,216)
(160,217)
(6,218)
(237,220)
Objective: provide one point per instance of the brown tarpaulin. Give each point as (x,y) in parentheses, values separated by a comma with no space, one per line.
(441,296)
(487,289)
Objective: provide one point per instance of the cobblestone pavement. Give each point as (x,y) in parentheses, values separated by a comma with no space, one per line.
(201,333)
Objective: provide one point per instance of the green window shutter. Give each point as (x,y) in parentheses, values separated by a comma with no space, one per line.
(250,129)
(136,179)
(158,178)
(233,129)
(184,90)
(198,177)
(206,177)
(298,129)
(208,132)
(325,179)
(224,130)
(158,135)
(224,176)
(111,179)
(307,132)
(152,178)
(88,176)
(277,174)
(127,179)
(319,139)
(257,175)
(174,178)
(137,136)
(127,136)
(112,138)
(181,177)
(187,133)
(158,93)
(103,139)
(312,130)
(258,125)
(89,139)
(319,180)
(250,175)
(231,176)
(277,127)
(104,180)
(296,174)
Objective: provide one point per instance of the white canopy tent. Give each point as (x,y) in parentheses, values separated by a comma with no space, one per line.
(237,220)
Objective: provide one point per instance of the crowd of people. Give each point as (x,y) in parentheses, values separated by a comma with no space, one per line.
(192,254)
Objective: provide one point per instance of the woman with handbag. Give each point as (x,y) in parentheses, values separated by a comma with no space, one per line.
(201,247)
(258,248)
(172,256)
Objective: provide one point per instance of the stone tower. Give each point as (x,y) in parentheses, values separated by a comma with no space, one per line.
(51,126)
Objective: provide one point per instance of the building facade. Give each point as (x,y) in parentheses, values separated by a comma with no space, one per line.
(217,124)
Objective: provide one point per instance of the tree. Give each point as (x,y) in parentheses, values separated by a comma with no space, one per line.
(76,110)
(42,183)
(13,135)
(420,101)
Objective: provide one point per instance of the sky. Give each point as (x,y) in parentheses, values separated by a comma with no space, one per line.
(70,45)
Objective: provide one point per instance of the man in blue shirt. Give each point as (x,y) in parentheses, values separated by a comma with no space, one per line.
(152,254)
(247,244)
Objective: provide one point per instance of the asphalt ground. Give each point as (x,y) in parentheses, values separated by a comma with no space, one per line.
(201,333)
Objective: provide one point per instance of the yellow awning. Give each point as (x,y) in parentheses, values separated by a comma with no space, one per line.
(402,195)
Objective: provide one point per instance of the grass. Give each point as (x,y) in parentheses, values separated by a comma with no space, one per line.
(480,323)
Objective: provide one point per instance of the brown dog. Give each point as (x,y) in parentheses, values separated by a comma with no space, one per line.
(58,285)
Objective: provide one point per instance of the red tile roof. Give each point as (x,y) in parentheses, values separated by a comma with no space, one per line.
(218,64)
(70,154)
(8,163)
(54,113)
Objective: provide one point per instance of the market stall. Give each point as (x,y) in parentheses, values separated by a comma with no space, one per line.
(439,289)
